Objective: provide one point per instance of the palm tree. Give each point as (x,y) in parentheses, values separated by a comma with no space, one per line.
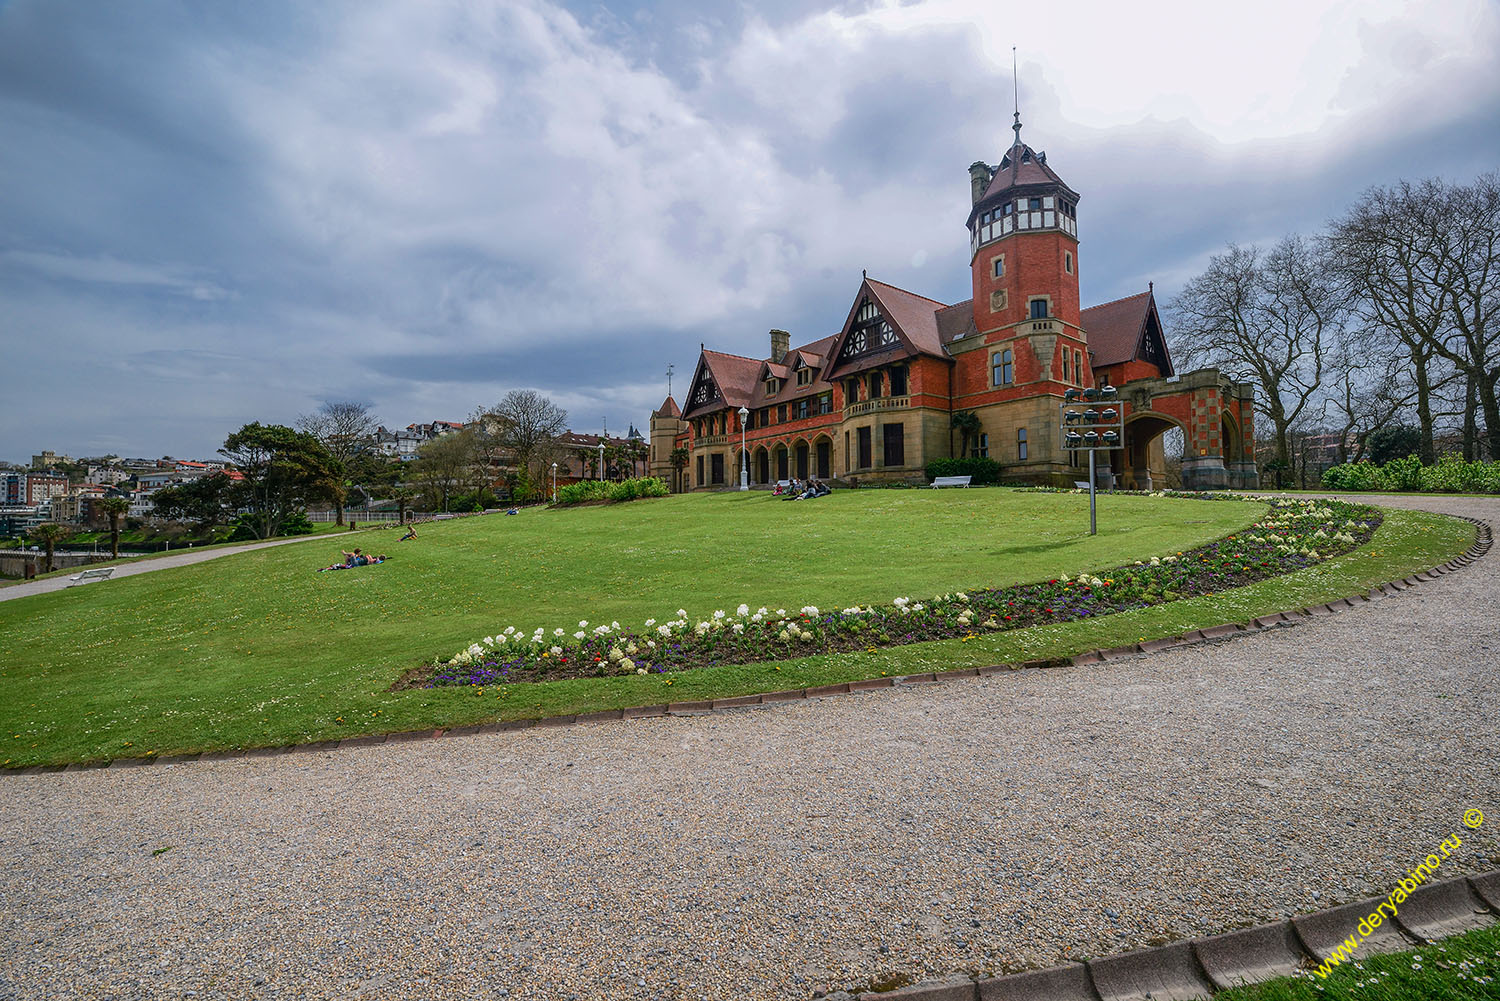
(968,425)
(679,457)
(51,534)
(115,508)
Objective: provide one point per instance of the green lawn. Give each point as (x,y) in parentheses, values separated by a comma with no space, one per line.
(1463,968)
(257,649)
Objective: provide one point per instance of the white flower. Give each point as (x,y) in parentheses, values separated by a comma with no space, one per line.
(555,651)
(579,635)
(583,623)
(476,650)
(810,610)
(557,632)
(918,607)
(856,610)
(614,625)
(682,613)
(739,627)
(719,614)
(631,648)
(615,654)
(901,602)
(961,596)
(650,623)
(781,613)
(806,637)
(762,611)
(783,636)
(640,670)
(509,630)
(742,610)
(651,644)
(499,640)
(664,630)
(757,616)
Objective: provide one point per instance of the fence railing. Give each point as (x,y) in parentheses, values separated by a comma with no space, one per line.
(326,516)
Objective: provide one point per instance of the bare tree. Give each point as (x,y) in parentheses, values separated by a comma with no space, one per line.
(347,430)
(528,425)
(1268,318)
(1471,255)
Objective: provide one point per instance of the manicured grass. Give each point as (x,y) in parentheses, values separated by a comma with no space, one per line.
(256,649)
(1462,968)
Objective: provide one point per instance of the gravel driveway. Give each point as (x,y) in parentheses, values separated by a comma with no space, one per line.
(987,824)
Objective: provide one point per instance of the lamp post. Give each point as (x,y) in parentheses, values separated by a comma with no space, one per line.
(744,453)
(601,458)
(554,483)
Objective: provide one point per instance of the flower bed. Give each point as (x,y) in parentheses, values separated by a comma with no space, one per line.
(1293,535)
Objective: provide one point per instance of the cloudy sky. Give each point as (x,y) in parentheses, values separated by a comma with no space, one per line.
(215,212)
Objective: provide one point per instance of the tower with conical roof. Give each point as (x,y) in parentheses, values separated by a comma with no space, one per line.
(1023,242)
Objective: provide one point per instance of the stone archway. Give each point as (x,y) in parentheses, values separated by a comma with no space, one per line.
(1215,415)
(1142,461)
(822,467)
(803,457)
(782,462)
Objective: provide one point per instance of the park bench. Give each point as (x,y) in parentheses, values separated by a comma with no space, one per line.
(951,481)
(101,573)
(1080,484)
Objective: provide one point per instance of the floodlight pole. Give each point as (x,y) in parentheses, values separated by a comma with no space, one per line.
(1093,513)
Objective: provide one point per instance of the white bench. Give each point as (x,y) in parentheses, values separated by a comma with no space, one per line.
(951,481)
(1080,484)
(102,573)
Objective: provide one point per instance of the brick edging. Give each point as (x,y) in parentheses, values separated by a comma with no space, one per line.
(1201,967)
(1482,543)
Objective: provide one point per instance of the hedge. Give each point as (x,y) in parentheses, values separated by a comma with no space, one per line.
(1450,474)
(625,490)
(982,470)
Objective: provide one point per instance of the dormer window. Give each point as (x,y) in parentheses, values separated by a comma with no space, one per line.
(772,386)
(804,376)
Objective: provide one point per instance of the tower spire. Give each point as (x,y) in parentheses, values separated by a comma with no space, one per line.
(1016,88)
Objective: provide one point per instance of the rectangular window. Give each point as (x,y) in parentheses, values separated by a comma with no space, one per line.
(874,385)
(750,421)
(898,381)
(716,464)
(1039,309)
(895,444)
(802,410)
(1035,204)
(1003,371)
(804,376)
(765,416)
(997,266)
(1068,262)
(770,387)
(1007,208)
(1021,444)
(700,470)
(825,403)
(848,456)
(866,452)
(1066,356)
(781,414)
(982,448)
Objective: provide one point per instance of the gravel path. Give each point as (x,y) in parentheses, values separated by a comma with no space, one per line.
(987,824)
(182,559)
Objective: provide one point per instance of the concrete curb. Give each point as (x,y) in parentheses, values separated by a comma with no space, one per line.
(1482,543)
(1199,968)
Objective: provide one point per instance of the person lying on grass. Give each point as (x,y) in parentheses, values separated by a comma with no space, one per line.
(355,559)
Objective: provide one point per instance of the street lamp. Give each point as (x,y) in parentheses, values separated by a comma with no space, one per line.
(601,457)
(554,483)
(744,454)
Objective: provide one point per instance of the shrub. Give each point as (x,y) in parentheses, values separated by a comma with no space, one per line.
(982,470)
(1353,476)
(1402,474)
(1450,474)
(625,490)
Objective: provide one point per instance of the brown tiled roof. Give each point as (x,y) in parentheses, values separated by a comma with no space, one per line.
(955,321)
(1115,329)
(669,408)
(914,315)
(1025,168)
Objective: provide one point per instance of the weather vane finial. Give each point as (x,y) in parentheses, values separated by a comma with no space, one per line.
(1016,86)
(669,380)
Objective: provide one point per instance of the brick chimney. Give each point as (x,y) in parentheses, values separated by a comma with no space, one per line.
(979,179)
(780,342)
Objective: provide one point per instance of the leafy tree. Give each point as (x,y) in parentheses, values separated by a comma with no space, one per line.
(202,501)
(443,465)
(1393,441)
(49,533)
(679,458)
(347,430)
(114,508)
(283,469)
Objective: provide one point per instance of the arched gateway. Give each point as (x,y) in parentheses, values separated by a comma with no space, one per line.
(875,400)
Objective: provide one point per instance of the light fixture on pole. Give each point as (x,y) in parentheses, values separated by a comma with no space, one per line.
(744,454)
(601,458)
(554,483)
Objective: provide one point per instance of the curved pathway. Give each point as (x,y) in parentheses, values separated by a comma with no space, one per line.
(185,558)
(994,823)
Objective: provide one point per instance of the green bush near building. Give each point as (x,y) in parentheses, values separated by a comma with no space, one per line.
(983,471)
(604,490)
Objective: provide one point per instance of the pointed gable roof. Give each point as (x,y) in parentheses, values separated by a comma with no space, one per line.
(1118,331)
(668,408)
(913,319)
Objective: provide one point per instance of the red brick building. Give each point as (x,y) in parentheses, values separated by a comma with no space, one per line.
(876,400)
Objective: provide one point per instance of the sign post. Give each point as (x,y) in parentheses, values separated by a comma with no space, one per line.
(1090,430)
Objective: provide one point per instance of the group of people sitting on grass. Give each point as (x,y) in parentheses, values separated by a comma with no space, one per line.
(803,489)
(355,559)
